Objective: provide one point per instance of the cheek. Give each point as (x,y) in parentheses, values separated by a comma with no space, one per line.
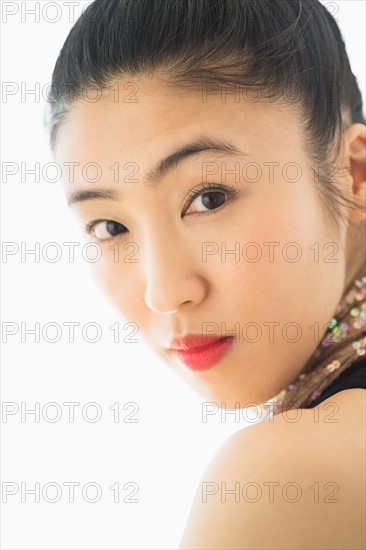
(280,254)
(120,282)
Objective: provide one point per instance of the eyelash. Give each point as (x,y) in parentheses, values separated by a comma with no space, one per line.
(202,190)
(209,187)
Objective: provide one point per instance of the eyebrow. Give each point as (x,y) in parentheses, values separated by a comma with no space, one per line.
(156,174)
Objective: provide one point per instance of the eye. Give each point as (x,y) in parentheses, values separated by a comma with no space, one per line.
(209,197)
(104,230)
(212,196)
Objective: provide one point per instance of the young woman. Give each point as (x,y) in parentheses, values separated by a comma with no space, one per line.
(215,150)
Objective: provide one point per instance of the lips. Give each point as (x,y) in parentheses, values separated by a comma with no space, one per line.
(201,352)
(193,341)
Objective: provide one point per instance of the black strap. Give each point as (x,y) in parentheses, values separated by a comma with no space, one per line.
(353,377)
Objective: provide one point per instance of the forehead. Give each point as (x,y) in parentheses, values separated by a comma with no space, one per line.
(142,120)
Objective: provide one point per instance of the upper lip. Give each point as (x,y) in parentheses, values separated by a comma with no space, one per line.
(193,341)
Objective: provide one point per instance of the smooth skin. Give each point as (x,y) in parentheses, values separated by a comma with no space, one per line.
(300,483)
(170,291)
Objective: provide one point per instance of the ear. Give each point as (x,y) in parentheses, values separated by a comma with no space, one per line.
(355,159)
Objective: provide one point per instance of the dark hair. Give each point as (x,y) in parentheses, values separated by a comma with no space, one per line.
(292,51)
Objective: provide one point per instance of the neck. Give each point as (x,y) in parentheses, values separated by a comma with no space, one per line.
(342,343)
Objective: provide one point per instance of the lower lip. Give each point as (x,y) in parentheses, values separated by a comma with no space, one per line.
(205,357)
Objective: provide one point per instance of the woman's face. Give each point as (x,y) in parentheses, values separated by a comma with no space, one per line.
(252,257)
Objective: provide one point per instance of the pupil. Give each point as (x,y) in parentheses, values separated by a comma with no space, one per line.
(213,200)
(112,227)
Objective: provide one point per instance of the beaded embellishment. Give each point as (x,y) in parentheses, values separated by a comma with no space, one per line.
(346,330)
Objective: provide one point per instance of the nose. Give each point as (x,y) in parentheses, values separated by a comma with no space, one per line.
(172,276)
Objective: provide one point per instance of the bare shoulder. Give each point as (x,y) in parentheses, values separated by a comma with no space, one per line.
(290,482)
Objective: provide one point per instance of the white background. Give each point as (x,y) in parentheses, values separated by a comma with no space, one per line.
(167,450)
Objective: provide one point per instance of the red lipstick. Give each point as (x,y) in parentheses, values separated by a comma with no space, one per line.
(201,352)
